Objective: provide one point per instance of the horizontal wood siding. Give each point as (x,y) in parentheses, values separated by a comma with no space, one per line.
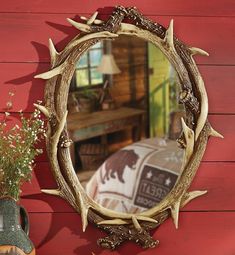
(198,233)
(207,225)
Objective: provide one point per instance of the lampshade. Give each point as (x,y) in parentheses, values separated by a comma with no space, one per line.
(108,65)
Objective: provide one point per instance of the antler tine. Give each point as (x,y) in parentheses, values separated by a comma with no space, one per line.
(92,18)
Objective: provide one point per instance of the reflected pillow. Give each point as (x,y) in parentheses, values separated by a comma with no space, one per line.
(138,176)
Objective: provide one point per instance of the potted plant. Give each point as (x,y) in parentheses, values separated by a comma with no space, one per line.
(87,99)
(17,154)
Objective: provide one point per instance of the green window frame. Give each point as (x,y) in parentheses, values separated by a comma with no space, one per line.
(86,73)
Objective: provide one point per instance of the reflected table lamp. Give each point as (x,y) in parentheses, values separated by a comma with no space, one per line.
(107,66)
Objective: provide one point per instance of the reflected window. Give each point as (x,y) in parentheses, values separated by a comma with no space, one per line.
(86,73)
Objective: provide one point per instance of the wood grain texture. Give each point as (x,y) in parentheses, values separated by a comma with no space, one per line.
(153,7)
(131,58)
(35,29)
(199,233)
(85,120)
(25,27)
(217,149)
(18,78)
(219,82)
(221,149)
(217,177)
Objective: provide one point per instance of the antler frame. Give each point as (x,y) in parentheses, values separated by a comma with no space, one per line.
(196,128)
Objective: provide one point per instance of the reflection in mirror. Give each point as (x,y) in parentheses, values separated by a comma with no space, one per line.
(124,119)
(1,223)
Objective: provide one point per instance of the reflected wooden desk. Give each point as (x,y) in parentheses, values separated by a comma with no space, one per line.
(82,126)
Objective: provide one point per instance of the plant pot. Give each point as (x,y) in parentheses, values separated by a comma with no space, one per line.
(14,238)
(86,104)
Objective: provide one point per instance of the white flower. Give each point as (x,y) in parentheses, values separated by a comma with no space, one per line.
(9,105)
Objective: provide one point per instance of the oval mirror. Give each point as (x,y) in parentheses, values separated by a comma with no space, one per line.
(124,119)
(125,95)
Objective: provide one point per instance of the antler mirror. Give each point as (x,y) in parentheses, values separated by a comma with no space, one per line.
(173,180)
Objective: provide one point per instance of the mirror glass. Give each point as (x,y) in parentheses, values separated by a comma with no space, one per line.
(124,118)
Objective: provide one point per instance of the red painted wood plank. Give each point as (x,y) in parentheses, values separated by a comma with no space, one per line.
(41,179)
(154,7)
(43,203)
(217,150)
(34,200)
(221,149)
(218,81)
(34,32)
(18,78)
(218,178)
(198,233)
(35,29)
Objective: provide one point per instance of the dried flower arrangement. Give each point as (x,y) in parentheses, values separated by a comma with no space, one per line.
(17,151)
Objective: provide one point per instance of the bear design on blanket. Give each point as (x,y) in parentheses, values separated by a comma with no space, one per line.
(116,164)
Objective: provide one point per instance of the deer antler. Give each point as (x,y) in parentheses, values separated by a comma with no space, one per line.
(196,128)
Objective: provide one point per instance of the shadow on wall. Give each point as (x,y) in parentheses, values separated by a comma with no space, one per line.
(44,58)
(72,223)
(29,78)
(43,66)
(69,226)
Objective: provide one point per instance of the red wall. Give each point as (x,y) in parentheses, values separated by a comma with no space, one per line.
(207,225)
